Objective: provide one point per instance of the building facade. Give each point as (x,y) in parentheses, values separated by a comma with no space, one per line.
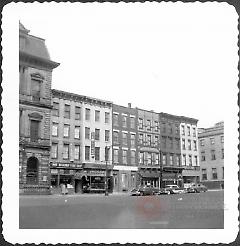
(189,150)
(125,147)
(149,147)
(211,149)
(170,149)
(80,142)
(35,77)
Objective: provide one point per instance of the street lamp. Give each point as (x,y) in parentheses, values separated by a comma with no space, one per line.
(107,148)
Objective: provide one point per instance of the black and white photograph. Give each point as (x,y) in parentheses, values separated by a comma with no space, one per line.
(120,122)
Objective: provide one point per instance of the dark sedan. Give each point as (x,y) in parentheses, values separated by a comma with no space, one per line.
(197,188)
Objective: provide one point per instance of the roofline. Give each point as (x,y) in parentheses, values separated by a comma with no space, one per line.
(43,39)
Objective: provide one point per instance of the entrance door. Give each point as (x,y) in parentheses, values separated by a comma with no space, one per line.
(32,170)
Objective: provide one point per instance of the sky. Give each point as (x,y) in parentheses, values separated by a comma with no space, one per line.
(175,58)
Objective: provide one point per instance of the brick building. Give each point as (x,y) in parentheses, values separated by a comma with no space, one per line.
(170,149)
(211,149)
(149,147)
(35,76)
(125,147)
(189,150)
(81,131)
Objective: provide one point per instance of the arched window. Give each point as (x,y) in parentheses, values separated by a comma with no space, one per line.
(32,170)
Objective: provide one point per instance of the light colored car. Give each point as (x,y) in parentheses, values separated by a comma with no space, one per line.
(175,189)
(135,192)
(197,188)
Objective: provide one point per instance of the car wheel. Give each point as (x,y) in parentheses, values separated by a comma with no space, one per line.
(141,193)
(168,192)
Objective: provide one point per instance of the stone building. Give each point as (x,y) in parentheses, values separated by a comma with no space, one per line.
(125,147)
(211,149)
(170,149)
(189,150)
(149,147)
(81,137)
(35,77)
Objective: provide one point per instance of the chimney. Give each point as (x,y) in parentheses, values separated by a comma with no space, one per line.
(129,105)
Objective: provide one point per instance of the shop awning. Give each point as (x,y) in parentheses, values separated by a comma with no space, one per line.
(149,174)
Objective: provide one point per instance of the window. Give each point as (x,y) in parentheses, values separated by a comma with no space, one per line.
(184,160)
(115,119)
(156,158)
(140,138)
(171,159)
(87,153)
(212,140)
(149,158)
(77,113)
(124,120)
(107,135)
(77,132)
(133,159)
(107,151)
(195,144)
(214,173)
(55,110)
(97,115)
(171,143)
(67,111)
(196,160)
(190,160)
(164,159)
(124,156)
(188,131)
(176,129)
(35,90)
(34,130)
(183,144)
(132,140)
(177,143)
(203,157)
(115,137)
(87,114)
(55,129)
(213,156)
(189,144)
(124,138)
(202,142)
(156,126)
(164,142)
(107,117)
(54,150)
(140,123)
(76,152)
(97,153)
(222,139)
(65,151)
(132,122)
(204,174)
(148,128)
(156,139)
(183,130)
(222,153)
(148,139)
(115,155)
(178,160)
(87,133)
(97,134)
(141,158)
(170,129)
(194,132)
(66,131)
(164,127)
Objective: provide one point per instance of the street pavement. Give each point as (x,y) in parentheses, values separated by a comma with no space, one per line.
(96,211)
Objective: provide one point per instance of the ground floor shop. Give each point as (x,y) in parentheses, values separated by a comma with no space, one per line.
(191,175)
(216,184)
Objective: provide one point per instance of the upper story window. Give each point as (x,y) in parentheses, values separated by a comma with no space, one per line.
(54,150)
(97,153)
(222,139)
(170,128)
(212,140)
(149,137)
(140,138)
(124,156)
(115,137)
(196,160)
(214,173)
(171,159)
(178,160)
(190,160)
(156,140)
(164,142)
(36,84)
(194,131)
(77,152)
(188,131)
(189,144)
(107,117)
(184,160)
(213,155)
(204,174)
(67,111)
(87,153)
(195,144)
(34,130)
(140,123)
(132,122)
(97,134)
(87,114)
(77,113)
(97,115)
(87,133)
(55,110)
(132,140)
(177,143)
(164,127)
(77,132)
(156,126)
(183,144)
(148,128)
(171,143)
(107,135)
(124,138)
(183,129)
(115,155)
(66,151)
(203,157)
(66,130)
(124,120)
(176,129)
(55,129)
(115,119)
(164,159)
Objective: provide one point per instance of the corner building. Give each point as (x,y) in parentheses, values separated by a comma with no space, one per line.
(125,147)
(81,131)
(211,149)
(35,78)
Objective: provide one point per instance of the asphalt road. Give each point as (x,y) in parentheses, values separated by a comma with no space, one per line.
(204,210)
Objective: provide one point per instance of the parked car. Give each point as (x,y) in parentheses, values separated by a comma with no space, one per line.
(164,191)
(197,188)
(175,189)
(135,192)
(148,190)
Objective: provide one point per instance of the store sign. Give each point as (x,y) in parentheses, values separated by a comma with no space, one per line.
(96,173)
(92,144)
(69,165)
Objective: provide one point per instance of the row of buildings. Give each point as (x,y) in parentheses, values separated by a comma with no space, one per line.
(81,141)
